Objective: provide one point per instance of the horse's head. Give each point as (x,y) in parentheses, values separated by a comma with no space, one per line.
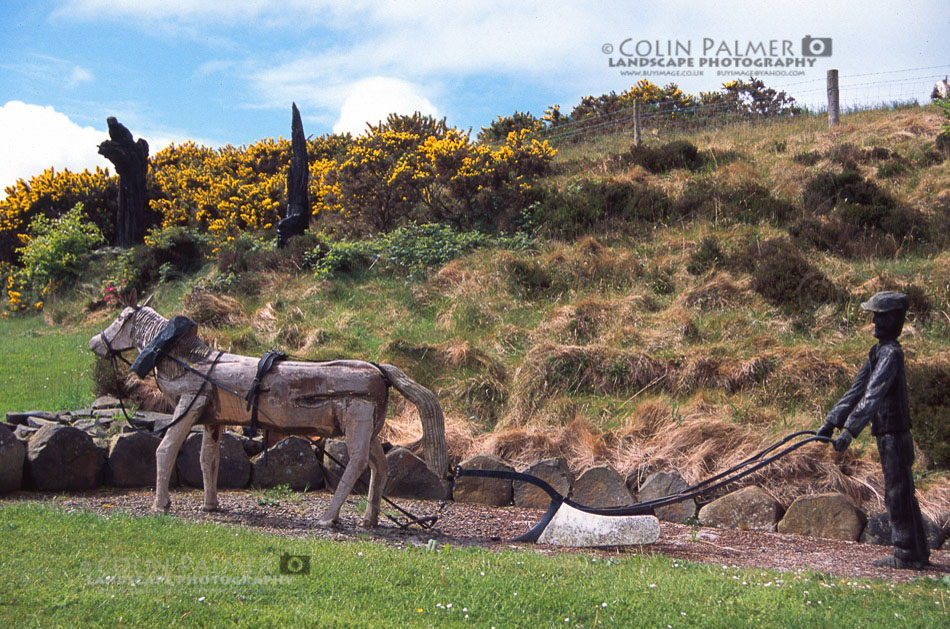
(118,337)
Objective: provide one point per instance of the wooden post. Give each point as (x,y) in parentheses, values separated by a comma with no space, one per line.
(298,178)
(131,162)
(636,122)
(834,112)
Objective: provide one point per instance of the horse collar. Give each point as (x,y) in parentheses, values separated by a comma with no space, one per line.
(176,328)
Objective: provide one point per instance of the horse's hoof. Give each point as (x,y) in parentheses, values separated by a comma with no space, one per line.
(327,524)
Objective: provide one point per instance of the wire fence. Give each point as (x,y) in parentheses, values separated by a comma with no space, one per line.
(857,92)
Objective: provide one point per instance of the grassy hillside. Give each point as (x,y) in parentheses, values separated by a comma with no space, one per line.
(676,309)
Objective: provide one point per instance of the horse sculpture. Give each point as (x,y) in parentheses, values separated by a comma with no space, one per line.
(345,398)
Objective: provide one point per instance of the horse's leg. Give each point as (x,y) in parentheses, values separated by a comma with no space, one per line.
(210,456)
(379,472)
(168,449)
(358,432)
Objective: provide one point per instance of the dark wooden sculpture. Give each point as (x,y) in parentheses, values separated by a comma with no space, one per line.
(131,163)
(298,179)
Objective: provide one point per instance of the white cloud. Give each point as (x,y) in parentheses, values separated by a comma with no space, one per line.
(78,75)
(50,70)
(372,100)
(33,138)
(440,45)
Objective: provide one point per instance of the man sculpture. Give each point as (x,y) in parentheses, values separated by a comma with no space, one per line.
(879,396)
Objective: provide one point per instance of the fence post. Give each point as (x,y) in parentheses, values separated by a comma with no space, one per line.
(636,122)
(834,113)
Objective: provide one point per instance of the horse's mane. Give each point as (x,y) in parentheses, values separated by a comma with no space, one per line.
(189,349)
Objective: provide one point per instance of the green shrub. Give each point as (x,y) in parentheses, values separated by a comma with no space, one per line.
(821,233)
(899,222)
(928,388)
(660,159)
(526,277)
(826,189)
(414,248)
(784,277)
(244,253)
(344,257)
(807,158)
(583,203)
(746,203)
(57,248)
(892,168)
(706,257)
(410,250)
(180,247)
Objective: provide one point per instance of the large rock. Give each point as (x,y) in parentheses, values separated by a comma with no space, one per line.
(487,491)
(23,419)
(602,486)
(831,516)
(64,458)
(234,469)
(104,402)
(132,460)
(663,484)
(94,426)
(409,477)
(24,433)
(289,462)
(572,527)
(749,508)
(40,422)
(335,460)
(552,471)
(12,455)
(254,446)
(878,531)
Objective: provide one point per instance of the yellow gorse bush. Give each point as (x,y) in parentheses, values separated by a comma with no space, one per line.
(408,168)
(52,193)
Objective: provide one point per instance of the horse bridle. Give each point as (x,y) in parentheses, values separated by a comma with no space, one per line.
(113,353)
(116,354)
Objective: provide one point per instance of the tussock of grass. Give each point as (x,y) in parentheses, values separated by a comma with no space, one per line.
(719,292)
(550,369)
(214,309)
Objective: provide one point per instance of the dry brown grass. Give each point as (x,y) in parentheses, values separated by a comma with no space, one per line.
(702,368)
(581,445)
(214,309)
(719,292)
(700,442)
(549,369)
(592,319)
(146,393)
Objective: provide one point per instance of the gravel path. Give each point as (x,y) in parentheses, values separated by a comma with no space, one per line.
(492,527)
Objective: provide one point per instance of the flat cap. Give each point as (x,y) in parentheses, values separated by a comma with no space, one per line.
(886,301)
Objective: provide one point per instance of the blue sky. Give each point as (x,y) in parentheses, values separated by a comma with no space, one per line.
(225,71)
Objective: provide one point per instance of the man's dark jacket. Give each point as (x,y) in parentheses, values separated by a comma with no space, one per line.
(878,395)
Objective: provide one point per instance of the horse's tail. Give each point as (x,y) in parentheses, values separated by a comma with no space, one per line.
(433,422)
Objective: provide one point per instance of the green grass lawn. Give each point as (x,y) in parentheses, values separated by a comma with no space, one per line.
(62,568)
(43,367)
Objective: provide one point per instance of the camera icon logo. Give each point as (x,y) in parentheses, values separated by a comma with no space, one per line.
(294,564)
(816,46)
